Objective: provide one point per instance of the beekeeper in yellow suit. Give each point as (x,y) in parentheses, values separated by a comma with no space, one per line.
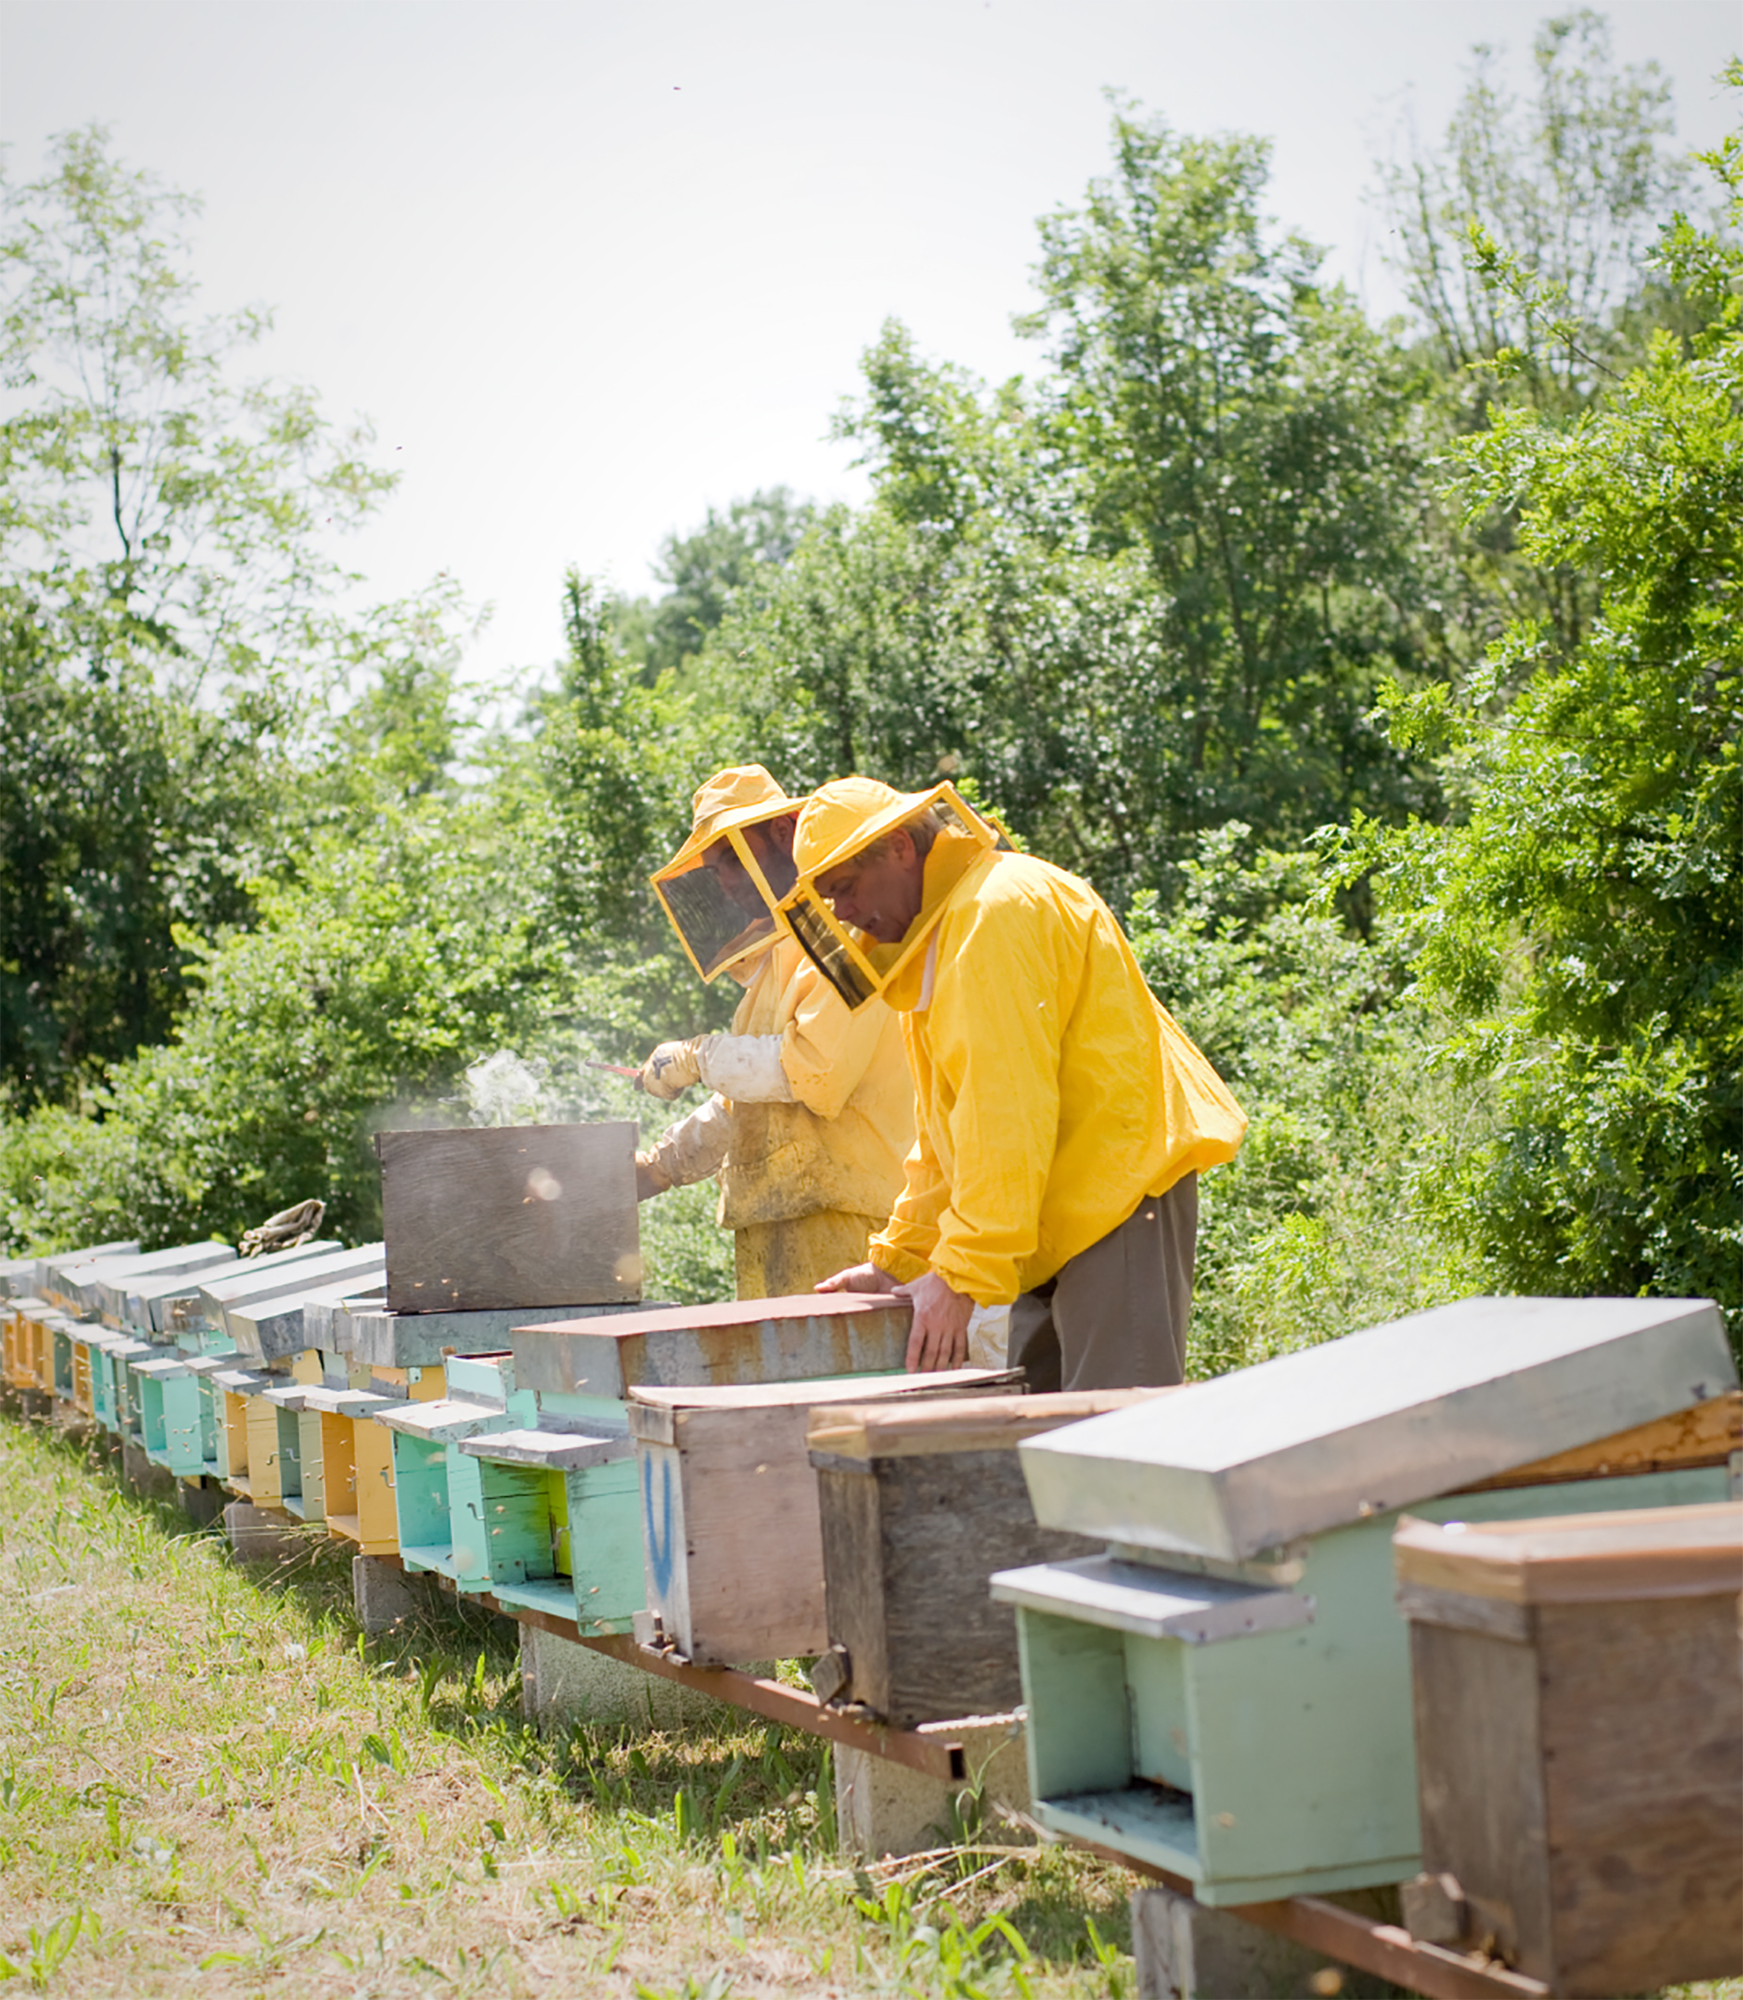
(1051,1200)
(811,1110)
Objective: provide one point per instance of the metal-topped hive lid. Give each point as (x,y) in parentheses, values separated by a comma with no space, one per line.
(1375,1421)
(59,1273)
(283,1272)
(101,1284)
(736,1340)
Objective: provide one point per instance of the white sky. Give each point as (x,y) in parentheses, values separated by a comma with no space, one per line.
(592,268)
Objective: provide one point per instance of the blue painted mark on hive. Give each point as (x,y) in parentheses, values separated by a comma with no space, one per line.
(658,1533)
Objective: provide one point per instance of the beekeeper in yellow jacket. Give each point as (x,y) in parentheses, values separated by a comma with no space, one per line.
(1064,1117)
(811,1109)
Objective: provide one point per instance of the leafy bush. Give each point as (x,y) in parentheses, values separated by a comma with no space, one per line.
(1585,916)
(1325,1222)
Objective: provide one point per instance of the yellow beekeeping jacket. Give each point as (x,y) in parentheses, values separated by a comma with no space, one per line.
(841,1143)
(1053,1093)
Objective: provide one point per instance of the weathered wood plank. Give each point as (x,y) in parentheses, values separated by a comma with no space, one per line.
(1597,1558)
(1642,1776)
(920,1504)
(908,1548)
(1583,1784)
(517,1215)
(1707,1434)
(743,1340)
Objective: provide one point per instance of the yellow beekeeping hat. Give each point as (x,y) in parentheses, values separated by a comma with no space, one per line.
(842,819)
(848,814)
(736,797)
(713,890)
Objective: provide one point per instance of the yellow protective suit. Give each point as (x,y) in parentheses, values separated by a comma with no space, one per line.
(1052,1091)
(805,1183)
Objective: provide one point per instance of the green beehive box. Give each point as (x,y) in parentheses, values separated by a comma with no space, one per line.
(170,1426)
(1226,1693)
(431,1478)
(99,1348)
(550,1517)
(123,1356)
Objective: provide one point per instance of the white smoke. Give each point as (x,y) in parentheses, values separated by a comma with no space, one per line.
(504,1090)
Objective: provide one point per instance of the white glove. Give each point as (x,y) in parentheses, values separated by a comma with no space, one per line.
(745,1067)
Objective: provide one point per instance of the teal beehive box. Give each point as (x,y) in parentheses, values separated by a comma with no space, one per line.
(435,1489)
(1225,1694)
(550,1518)
(169,1407)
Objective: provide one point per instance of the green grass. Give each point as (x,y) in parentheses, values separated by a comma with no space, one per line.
(209,1784)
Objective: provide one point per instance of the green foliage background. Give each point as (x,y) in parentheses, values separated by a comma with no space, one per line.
(1385,678)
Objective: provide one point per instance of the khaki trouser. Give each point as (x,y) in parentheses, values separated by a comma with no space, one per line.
(779,1260)
(1115,1316)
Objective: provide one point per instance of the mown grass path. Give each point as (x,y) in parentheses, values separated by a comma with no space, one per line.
(209,1785)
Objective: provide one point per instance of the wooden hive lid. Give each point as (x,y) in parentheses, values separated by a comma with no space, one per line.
(1694,1551)
(974,1423)
(726,1315)
(655,1413)
(802,1338)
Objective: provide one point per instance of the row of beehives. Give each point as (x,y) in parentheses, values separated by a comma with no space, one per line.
(627,1467)
(1217,1670)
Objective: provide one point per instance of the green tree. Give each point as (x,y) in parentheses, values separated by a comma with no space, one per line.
(1586,913)
(167,514)
(615,762)
(1577,180)
(1243,429)
(1153,592)
(125,813)
(173,627)
(357,996)
(706,572)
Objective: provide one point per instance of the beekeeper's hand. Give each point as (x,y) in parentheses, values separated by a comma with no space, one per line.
(650,1177)
(670,1070)
(858,1278)
(938,1337)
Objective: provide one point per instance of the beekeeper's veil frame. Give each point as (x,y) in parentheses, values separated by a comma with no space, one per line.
(715,891)
(858,968)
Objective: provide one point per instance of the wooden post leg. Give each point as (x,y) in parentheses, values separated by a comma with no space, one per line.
(1186,1951)
(885,1807)
(563,1682)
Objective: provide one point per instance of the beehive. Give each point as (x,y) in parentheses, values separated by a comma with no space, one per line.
(1242,1618)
